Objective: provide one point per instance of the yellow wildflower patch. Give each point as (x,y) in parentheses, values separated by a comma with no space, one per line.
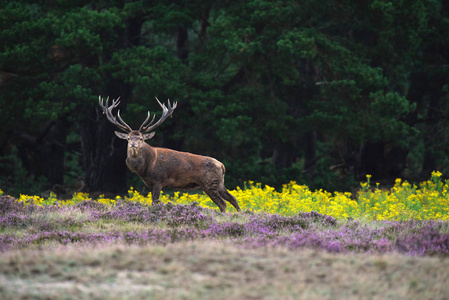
(428,200)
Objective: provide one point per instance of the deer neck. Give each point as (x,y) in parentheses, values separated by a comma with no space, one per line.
(139,159)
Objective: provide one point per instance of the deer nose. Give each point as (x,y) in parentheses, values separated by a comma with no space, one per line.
(133,144)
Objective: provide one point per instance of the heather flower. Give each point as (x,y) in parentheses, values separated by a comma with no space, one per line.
(8,204)
(408,219)
(87,205)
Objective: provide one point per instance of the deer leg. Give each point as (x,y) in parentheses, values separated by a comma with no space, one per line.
(215,196)
(155,193)
(224,193)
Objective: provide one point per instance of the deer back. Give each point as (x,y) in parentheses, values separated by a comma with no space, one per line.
(171,168)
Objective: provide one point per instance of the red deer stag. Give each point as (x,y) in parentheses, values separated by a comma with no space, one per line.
(161,167)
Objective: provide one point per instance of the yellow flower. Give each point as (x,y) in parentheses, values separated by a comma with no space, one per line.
(427,201)
(436,174)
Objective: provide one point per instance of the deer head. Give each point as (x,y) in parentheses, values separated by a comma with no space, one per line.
(135,138)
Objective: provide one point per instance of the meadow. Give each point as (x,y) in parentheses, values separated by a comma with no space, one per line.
(288,244)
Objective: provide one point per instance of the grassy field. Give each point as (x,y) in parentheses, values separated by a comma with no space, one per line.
(291,244)
(216,270)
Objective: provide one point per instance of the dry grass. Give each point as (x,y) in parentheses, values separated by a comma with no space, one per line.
(216,270)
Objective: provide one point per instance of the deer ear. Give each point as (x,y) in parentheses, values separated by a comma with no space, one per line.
(121,135)
(148,136)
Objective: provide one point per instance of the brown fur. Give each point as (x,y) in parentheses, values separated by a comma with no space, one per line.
(161,167)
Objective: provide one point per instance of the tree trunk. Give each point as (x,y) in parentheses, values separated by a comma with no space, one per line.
(54,169)
(382,160)
(44,155)
(284,155)
(103,155)
(434,120)
(181,38)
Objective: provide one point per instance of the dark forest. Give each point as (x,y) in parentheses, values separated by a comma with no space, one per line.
(320,92)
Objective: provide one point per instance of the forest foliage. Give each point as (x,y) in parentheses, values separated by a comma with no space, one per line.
(320,92)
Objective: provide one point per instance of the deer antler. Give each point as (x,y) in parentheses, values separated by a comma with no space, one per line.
(108,111)
(166,112)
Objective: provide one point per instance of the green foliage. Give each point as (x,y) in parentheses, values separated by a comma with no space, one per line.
(152,71)
(17,179)
(255,76)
